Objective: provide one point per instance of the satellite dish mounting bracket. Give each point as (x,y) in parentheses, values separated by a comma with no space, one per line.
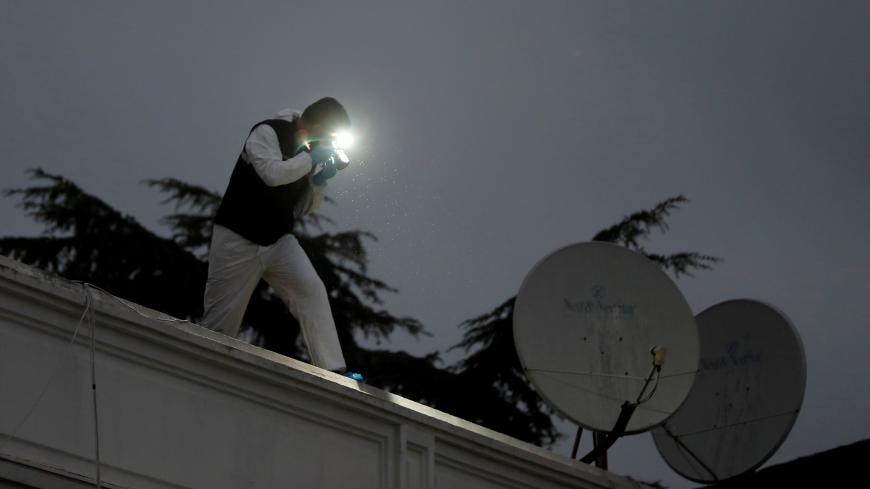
(627,409)
(618,430)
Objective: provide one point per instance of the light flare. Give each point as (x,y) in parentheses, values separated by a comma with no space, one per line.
(342,140)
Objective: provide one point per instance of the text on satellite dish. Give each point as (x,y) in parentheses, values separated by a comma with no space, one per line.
(733,357)
(598,304)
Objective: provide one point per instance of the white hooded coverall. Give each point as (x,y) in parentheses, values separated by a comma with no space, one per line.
(235,264)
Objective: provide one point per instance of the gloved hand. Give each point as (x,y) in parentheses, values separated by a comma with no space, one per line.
(328,171)
(320,153)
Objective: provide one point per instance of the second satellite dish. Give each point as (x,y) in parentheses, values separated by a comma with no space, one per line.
(585,320)
(746,397)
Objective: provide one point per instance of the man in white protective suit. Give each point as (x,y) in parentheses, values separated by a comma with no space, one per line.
(280,176)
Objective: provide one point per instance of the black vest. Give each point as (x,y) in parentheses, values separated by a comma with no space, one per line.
(254,210)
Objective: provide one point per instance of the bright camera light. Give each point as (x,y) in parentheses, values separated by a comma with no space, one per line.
(342,139)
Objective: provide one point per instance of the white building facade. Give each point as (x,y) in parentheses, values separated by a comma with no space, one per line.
(179,406)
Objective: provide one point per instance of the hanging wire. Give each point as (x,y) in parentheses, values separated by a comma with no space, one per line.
(92,319)
(89,315)
(131,306)
(57,369)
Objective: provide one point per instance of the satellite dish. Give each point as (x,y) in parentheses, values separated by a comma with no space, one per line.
(746,397)
(585,320)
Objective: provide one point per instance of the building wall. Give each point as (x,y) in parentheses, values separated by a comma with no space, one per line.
(182,406)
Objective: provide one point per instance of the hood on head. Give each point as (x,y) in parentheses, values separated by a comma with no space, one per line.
(288,114)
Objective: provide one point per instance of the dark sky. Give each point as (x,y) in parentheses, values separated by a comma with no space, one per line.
(492,133)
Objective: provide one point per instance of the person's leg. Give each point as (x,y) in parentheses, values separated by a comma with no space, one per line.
(233,272)
(290,273)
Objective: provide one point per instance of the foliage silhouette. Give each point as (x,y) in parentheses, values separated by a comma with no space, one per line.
(86,239)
